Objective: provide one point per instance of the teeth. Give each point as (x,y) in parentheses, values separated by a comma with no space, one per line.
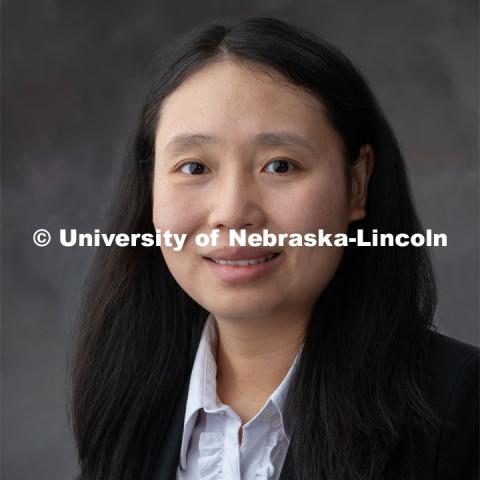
(243,262)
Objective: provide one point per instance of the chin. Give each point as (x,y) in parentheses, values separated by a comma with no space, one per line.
(238,306)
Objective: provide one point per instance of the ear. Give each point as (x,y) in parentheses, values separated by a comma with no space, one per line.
(360,173)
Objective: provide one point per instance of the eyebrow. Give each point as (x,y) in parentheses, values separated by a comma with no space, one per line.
(182,142)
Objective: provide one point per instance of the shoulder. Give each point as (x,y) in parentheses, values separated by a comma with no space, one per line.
(455,398)
(445,349)
(454,370)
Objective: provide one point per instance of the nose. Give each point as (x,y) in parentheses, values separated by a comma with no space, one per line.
(236,203)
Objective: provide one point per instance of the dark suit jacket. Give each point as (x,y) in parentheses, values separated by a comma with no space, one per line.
(452,453)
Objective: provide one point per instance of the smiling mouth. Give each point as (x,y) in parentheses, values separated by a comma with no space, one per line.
(243,263)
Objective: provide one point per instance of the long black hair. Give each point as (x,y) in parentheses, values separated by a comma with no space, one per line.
(361,386)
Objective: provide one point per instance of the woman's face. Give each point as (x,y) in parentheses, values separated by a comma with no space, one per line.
(237,149)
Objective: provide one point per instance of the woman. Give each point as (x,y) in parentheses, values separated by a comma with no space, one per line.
(307,363)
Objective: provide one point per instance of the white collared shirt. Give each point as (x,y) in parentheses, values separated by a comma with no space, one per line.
(210,447)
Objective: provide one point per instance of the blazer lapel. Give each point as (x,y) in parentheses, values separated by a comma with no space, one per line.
(170,453)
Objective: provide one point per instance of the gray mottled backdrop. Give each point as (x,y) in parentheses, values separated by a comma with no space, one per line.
(73,75)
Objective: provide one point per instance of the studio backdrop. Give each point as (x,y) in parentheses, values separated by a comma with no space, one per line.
(73,78)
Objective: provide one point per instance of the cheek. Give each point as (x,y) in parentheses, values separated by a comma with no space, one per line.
(174,211)
(323,204)
(320,203)
(314,269)
(177,212)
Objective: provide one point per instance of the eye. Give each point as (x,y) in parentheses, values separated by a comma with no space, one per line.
(193,168)
(280,166)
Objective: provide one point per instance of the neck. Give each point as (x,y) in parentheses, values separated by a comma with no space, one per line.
(253,357)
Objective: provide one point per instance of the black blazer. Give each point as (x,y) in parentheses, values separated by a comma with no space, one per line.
(452,453)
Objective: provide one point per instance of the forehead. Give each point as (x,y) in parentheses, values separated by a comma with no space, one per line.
(238,100)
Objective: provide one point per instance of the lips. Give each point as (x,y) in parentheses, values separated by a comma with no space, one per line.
(242,265)
(241,254)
